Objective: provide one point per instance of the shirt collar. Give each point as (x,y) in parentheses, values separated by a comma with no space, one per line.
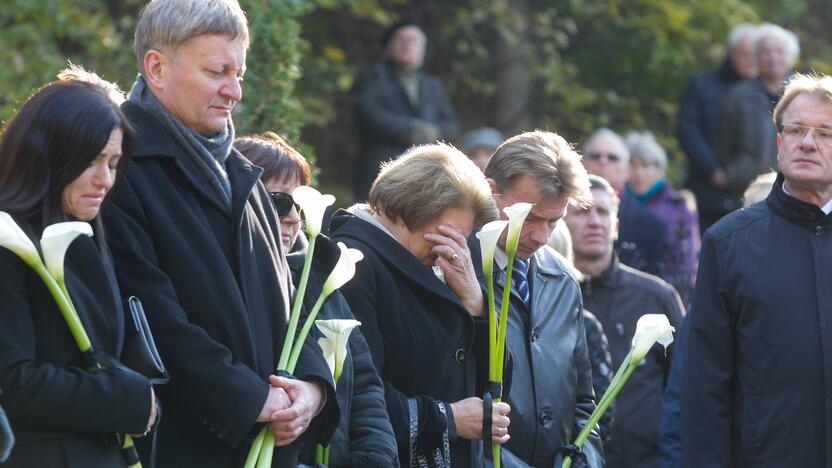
(827,208)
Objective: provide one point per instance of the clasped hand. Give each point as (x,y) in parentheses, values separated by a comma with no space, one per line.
(290,407)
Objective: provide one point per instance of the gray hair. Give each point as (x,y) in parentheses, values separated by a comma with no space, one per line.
(740,32)
(166,24)
(644,147)
(758,189)
(604,132)
(788,38)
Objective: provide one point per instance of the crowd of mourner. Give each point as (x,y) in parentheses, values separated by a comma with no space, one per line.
(175,295)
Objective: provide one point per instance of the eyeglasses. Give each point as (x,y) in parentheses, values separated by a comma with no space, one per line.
(283,203)
(794,133)
(611,157)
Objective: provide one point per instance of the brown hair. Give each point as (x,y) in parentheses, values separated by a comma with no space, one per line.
(600,183)
(425,181)
(278,158)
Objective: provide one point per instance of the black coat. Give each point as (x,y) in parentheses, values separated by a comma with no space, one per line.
(385,117)
(63,415)
(598,348)
(756,389)
(642,236)
(619,297)
(364,436)
(215,289)
(424,343)
(698,125)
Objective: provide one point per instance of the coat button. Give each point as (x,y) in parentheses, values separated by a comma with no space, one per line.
(545,418)
(533,335)
(818,230)
(459,356)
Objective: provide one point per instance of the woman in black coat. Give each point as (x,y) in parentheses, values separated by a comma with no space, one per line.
(59,157)
(420,305)
(363,437)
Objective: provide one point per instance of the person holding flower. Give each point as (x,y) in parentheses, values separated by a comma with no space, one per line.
(60,156)
(364,437)
(421,308)
(551,396)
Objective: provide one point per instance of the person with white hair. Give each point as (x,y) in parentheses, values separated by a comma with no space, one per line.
(648,186)
(746,144)
(698,123)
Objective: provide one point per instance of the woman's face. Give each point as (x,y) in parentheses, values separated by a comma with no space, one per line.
(289,224)
(643,175)
(460,219)
(82,198)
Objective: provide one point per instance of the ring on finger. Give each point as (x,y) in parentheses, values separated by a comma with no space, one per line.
(454,257)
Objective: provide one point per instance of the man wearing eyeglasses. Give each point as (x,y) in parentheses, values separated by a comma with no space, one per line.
(758,376)
(642,237)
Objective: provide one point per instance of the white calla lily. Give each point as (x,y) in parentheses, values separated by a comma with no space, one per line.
(516,217)
(344,270)
(489,235)
(313,204)
(651,329)
(55,241)
(14,239)
(334,342)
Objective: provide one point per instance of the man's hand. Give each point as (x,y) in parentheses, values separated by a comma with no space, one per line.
(306,400)
(277,400)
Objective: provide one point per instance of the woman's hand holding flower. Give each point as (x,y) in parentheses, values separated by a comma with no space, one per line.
(468,419)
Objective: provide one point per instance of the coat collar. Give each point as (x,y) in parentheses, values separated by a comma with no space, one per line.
(153,141)
(792,209)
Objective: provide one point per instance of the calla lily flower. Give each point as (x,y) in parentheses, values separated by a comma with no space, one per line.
(334,342)
(313,204)
(489,235)
(344,270)
(14,239)
(651,329)
(55,241)
(516,217)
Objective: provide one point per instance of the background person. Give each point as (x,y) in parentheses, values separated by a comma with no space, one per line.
(60,156)
(428,336)
(479,145)
(364,437)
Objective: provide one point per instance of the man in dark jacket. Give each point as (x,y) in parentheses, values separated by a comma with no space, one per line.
(642,236)
(619,295)
(398,105)
(757,387)
(699,123)
(746,144)
(551,396)
(192,233)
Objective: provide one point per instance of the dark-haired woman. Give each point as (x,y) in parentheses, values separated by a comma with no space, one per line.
(60,156)
(364,437)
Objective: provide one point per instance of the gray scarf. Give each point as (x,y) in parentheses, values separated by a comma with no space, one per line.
(209,154)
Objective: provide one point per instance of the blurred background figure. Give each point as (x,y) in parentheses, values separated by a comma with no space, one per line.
(746,144)
(642,237)
(698,124)
(758,189)
(6,437)
(648,185)
(397,104)
(479,145)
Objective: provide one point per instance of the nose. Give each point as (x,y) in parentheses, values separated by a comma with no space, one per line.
(593,218)
(808,141)
(104,177)
(292,218)
(540,233)
(232,90)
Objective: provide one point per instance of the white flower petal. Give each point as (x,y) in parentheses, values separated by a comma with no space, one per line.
(313,204)
(516,217)
(334,342)
(13,238)
(651,329)
(489,235)
(55,241)
(344,270)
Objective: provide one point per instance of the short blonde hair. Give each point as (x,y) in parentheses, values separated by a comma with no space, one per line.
(817,85)
(548,158)
(427,180)
(166,24)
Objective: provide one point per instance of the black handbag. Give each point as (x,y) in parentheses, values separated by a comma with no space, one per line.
(140,353)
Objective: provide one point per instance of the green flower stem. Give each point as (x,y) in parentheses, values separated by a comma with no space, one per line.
(264,460)
(326,455)
(251,460)
(310,319)
(492,324)
(621,377)
(501,333)
(296,306)
(128,442)
(65,306)
(319,454)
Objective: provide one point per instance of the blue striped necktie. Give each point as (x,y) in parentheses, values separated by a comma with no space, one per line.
(518,277)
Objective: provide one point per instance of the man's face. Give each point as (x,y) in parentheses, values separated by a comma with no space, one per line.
(540,222)
(742,57)
(806,160)
(407,47)
(605,157)
(593,229)
(773,59)
(200,81)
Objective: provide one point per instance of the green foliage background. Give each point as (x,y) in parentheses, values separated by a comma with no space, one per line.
(616,63)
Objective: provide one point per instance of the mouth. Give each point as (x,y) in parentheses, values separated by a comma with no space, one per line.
(806,161)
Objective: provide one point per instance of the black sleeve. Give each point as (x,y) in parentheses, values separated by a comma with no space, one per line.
(691,134)
(585,399)
(371,91)
(447,117)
